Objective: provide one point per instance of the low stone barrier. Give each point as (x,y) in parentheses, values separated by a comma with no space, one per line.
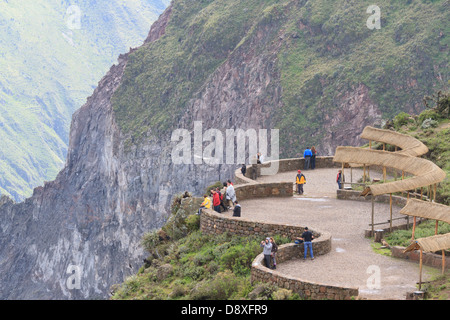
(212,222)
(284,165)
(355,195)
(215,223)
(256,190)
(306,289)
(428,258)
(397,201)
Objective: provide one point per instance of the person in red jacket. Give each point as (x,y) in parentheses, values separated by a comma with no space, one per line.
(216,200)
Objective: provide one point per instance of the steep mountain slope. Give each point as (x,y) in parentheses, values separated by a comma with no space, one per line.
(256,64)
(327,74)
(52,55)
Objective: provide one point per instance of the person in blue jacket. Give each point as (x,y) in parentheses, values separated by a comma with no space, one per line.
(307,155)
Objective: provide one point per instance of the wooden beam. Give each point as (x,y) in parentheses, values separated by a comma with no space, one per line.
(420,267)
(373,213)
(390,208)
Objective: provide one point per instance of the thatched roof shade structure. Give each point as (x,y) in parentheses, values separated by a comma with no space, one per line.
(409,145)
(427,210)
(430,244)
(425,172)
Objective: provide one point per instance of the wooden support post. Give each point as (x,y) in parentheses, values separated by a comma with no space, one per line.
(351,175)
(443,262)
(373,213)
(384,174)
(364,174)
(414,228)
(435,189)
(395,170)
(420,267)
(390,207)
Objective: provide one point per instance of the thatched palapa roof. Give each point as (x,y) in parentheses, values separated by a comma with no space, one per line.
(425,172)
(427,210)
(408,145)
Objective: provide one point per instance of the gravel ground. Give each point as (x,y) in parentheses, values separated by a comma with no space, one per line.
(351,261)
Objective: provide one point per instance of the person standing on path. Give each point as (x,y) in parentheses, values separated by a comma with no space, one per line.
(216,200)
(237,209)
(274,252)
(313,157)
(307,155)
(301,180)
(230,194)
(267,251)
(244,169)
(339,179)
(307,238)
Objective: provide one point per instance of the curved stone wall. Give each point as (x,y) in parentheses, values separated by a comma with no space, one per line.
(212,222)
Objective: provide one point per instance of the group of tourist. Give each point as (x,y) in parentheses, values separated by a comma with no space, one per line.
(310,155)
(225,199)
(222,200)
(270,248)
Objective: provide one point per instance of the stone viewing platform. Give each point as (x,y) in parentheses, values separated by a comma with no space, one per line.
(345,263)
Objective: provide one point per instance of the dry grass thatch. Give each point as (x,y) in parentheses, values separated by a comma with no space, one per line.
(426,209)
(434,243)
(408,145)
(425,173)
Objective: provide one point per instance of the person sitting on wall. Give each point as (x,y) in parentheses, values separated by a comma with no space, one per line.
(206,204)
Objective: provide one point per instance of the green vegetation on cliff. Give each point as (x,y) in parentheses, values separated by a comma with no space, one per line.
(432,127)
(183,263)
(325,53)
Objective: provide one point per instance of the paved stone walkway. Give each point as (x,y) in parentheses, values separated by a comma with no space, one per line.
(351,261)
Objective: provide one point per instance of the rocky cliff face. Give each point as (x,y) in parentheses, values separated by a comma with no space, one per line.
(228,65)
(81,233)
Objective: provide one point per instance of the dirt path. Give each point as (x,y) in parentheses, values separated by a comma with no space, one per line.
(351,261)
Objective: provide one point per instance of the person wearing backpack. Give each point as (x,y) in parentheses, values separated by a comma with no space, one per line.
(301,180)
